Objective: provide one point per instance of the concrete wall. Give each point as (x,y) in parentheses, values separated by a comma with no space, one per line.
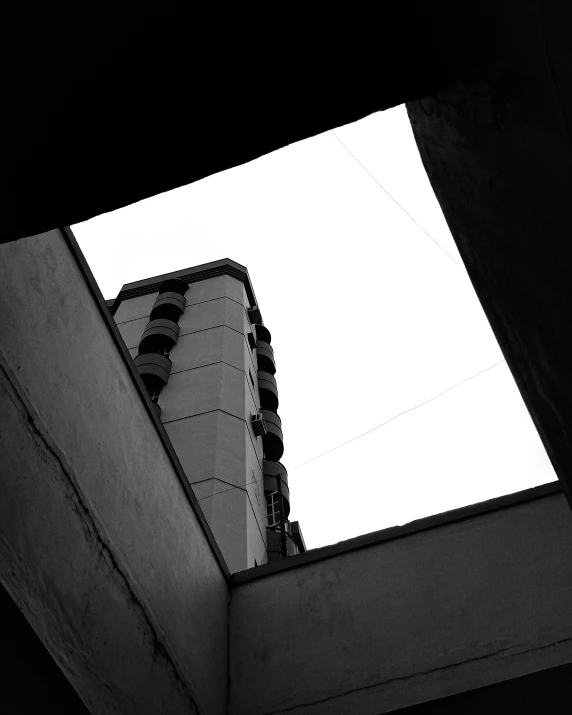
(100,545)
(406,619)
(31,681)
(206,408)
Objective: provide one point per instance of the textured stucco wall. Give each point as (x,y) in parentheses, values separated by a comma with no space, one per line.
(423,616)
(99,544)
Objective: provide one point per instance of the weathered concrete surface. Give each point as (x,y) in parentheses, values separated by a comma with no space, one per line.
(437,612)
(31,681)
(99,544)
(499,156)
(543,691)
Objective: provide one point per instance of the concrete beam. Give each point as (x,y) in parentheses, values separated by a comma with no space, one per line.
(499,157)
(122,108)
(102,546)
(407,615)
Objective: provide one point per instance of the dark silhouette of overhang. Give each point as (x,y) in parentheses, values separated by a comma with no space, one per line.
(106,109)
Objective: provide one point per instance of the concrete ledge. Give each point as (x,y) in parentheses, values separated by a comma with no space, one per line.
(464,600)
(190,275)
(120,343)
(396,532)
(102,546)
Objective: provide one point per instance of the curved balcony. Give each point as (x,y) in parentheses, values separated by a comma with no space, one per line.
(267,390)
(273,440)
(265,357)
(168,305)
(174,285)
(154,369)
(272,472)
(160,333)
(262,333)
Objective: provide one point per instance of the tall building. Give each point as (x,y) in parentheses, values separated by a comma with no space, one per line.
(201,347)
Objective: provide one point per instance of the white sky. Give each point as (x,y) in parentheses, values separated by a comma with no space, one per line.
(368,318)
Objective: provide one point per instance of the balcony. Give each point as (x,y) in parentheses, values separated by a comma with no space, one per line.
(273,440)
(154,369)
(174,285)
(160,333)
(265,357)
(274,471)
(262,333)
(267,390)
(168,305)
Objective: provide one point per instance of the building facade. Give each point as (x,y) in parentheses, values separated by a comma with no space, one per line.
(200,345)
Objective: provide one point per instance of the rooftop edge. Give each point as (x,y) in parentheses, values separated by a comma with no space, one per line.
(395,532)
(204,271)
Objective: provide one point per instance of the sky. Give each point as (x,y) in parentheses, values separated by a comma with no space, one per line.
(372,314)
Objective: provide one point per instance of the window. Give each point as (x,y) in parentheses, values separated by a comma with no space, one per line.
(154,395)
(251,378)
(166,352)
(273,509)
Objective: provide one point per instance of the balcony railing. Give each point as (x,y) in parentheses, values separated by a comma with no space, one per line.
(267,390)
(273,440)
(262,333)
(168,305)
(154,369)
(160,333)
(265,357)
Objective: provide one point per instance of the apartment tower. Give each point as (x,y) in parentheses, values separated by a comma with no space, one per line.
(201,347)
